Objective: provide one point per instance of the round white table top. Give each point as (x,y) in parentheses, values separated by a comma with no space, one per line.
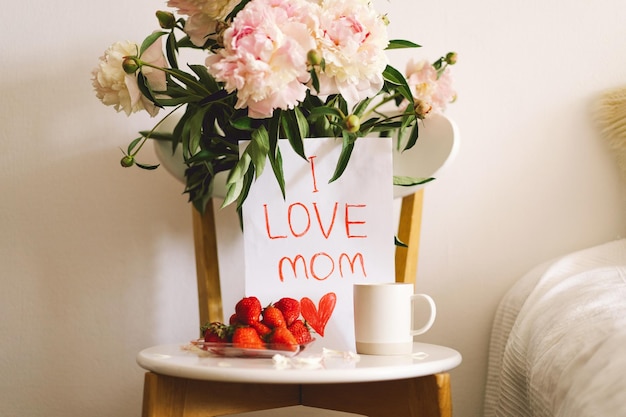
(309,367)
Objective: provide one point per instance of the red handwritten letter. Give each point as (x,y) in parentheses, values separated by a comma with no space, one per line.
(313,262)
(358,256)
(267,225)
(311,158)
(349,222)
(293,263)
(308,219)
(326,233)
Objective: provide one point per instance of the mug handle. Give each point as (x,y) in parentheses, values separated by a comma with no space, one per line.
(431,319)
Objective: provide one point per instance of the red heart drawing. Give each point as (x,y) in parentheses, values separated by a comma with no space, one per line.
(318,317)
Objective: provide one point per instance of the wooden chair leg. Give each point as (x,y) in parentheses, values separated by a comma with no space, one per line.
(409,232)
(166,396)
(427,396)
(207,266)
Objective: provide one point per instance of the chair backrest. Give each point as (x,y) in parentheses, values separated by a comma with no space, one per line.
(207,264)
(436,148)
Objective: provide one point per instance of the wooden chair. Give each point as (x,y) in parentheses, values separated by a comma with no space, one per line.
(166,396)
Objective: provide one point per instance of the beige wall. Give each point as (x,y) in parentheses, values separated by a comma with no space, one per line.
(97,261)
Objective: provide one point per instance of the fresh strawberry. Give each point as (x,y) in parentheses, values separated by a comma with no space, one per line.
(216,332)
(290,309)
(282,339)
(248,310)
(261,328)
(300,331)
(233,320)
(248,338)
(272,317)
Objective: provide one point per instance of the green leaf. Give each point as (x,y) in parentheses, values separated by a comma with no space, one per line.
(303,124)
(400,243)
(401,44)
(195,130)
(171,49)
(258,149)
(315,81)
(202,156)
(325,111)
(149,41)
(412,137)
(276,162)
(360,108)
(275,157)
(404,181)
(164,136)
(245,189)
(189,81)
(344,157)
(148,167)
(291,127)
(233,192)
(242,123)
(144,88)
(394,76)
(133,144)
(205,78)
(239,170)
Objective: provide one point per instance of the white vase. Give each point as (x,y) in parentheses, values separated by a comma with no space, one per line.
(435,149)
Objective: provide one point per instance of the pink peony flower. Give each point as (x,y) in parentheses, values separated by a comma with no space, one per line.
(116,88)
(264,56)
(353,41)
(422,78)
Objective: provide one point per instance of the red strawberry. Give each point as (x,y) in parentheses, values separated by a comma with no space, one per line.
(233,320)
(248,310)
(216,332)
(248,338)
(261,328)
(300,331)
(272,317)
(282,339)
(290,309)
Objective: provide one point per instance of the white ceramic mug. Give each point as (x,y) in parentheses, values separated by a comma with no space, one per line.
(383,318)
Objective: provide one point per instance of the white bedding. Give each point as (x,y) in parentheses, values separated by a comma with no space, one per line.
(558,344)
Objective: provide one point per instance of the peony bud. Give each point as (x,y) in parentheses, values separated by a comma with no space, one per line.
(130,65)
(127,161)
(421,108)
(352,123)
(451,58)
(166,19)
(220,28)
(313,57)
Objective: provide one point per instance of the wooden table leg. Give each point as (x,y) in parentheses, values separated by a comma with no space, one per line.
(427,396)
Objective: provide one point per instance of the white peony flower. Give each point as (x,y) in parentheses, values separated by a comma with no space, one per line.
(116,88)
(352,42)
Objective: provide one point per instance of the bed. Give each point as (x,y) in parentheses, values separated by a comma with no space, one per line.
(558,343)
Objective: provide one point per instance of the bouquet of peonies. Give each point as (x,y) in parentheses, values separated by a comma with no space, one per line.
(272,69)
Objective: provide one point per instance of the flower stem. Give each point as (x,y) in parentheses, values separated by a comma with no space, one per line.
(146,137)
